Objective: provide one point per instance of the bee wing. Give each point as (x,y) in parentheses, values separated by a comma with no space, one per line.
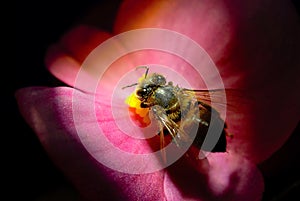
(170,125)
(220,98)
(173,128)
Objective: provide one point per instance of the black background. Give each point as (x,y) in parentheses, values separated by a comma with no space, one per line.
(31,174)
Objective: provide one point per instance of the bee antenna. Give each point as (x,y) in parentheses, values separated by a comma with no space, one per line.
(134,84)
(147,69)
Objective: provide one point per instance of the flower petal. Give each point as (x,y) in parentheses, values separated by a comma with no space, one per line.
(232,33)
(81,40)
(62,65)
(64,58)
(226,177)
(49,112)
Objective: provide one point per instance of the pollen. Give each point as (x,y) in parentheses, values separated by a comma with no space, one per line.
(139,115)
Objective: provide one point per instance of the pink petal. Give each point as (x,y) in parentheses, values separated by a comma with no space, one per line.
(232,33)
(64,58)
(81,40)
(49,112)
(62,65)
(227,177)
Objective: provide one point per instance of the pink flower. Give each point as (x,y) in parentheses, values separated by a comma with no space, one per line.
(245,47)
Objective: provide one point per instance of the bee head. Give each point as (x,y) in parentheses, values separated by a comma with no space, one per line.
(148,85)
(144,92)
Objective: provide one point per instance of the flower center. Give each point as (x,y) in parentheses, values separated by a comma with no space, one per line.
(140,116)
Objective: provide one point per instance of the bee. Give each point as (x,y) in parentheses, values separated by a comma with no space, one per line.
(177,109)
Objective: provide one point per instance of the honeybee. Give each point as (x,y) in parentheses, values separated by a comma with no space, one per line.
(176,109)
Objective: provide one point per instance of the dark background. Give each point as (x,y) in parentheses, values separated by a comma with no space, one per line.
(32,175)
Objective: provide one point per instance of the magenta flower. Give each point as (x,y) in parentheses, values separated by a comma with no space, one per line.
(245,47)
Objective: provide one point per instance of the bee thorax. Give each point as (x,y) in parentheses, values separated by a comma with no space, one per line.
(165,97)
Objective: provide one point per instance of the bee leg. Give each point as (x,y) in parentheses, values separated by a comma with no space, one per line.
(160,114)
(162,144)
(162,138)
(145,105)
(199,120)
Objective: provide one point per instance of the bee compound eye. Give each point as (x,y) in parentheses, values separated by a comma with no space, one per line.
(141,92)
